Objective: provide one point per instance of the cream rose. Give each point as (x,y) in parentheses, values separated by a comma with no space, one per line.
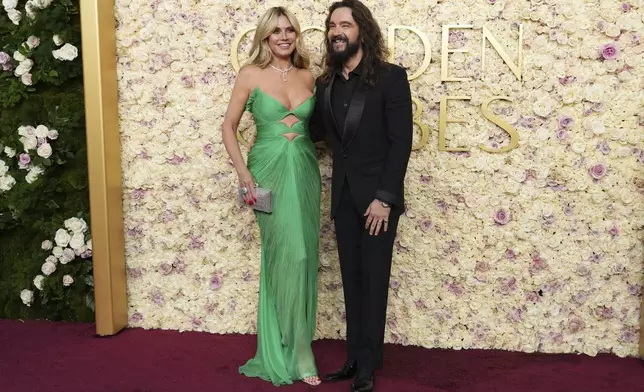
(62,238)
(39,281)
(77,241)
(48,268)
(67,53)
(27,297)
(67,280)
(44,150)
(76,225)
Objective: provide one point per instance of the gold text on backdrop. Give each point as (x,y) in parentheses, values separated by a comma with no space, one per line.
(516,68)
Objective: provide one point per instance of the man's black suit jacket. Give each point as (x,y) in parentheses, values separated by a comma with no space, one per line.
(373,149)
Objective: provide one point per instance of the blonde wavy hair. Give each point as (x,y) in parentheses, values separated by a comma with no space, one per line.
(261,54)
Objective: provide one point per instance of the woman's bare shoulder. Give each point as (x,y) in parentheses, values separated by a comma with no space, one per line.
(307,77)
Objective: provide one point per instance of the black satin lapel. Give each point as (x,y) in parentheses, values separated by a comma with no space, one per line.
(329,118)
(354,115)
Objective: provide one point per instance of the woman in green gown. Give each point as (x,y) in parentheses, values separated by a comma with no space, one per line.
(278,89)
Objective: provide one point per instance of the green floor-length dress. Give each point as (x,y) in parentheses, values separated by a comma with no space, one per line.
(290,236)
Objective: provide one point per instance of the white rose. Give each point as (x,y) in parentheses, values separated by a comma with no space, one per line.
(29,142)
(67,53)
(42,4)
(53,134)
(77,241)
(24,67)
(19,56)
(10,152)
(89,244)
(42,131)
(9,4)
(57,40)
(33,174)
(62,238)
(6,183)
(67,280)
(27,79)
(46,245)
(595,93)
(578,147)
(76,225)
(26,130)
(542,107)
(27,297)
(51,259)
(569,96)
(68,255)
(595,125)
(15,16)
(44,150)
(590,349)
(48,268)
(38,282)
(621,351)
(3,168)
(81,250)
(612,30)
(33,42)
(30,9)
(58,251)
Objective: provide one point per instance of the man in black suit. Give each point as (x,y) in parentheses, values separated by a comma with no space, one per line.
(365,104)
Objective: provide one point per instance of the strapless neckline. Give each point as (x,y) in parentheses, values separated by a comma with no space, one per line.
(256,89)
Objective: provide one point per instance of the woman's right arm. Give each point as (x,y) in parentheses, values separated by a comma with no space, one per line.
(234,112)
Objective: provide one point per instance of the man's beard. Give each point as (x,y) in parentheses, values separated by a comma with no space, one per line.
(339,57)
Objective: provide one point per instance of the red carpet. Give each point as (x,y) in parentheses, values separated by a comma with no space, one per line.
(52,357)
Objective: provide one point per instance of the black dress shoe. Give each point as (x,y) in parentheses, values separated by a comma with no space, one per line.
(364,384)
(347,371)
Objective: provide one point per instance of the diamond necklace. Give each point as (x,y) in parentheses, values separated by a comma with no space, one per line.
(283,71)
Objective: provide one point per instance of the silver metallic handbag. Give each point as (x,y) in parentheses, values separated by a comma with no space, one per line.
(264,201)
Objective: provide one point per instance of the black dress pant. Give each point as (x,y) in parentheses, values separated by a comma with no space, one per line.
(365,263)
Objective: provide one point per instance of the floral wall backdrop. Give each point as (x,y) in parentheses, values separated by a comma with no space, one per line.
(535,249)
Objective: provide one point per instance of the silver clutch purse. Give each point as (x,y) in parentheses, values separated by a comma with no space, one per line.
(264,201)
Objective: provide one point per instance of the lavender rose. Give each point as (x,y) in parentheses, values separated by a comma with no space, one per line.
(565,121)
(609,51)
(165,268)
(502,217)
(25,159)
(597,171)
(4,58)
(216,282)
(136,318)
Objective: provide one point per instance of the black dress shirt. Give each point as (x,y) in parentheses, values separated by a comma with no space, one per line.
(341,94)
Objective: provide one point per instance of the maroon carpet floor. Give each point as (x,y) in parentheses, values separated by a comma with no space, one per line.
(52,357)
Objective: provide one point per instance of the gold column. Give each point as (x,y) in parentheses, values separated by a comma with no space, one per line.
(104,164)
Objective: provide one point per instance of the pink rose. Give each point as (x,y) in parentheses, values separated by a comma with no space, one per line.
(609,51)
(597,171)
(502,217)
(216,282)
(25,159)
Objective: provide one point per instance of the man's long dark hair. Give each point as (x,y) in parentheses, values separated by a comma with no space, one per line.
(374,50)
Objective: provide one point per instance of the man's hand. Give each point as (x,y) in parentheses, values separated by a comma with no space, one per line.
(377,217)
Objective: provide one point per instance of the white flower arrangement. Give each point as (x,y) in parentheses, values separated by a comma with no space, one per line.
(70,243)
(6,180)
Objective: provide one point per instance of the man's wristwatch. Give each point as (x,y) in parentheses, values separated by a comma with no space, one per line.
(385,205)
